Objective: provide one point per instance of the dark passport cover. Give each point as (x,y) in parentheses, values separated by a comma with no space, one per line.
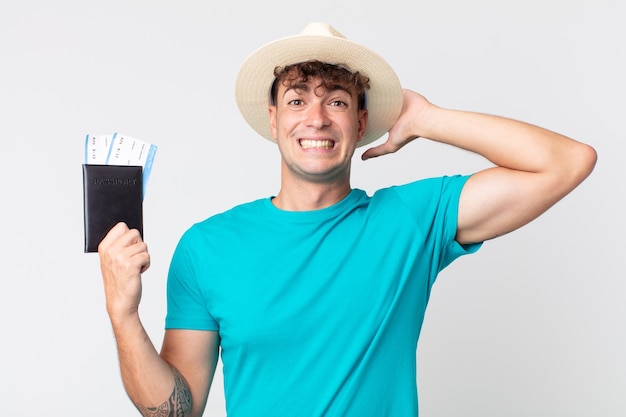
(111,194)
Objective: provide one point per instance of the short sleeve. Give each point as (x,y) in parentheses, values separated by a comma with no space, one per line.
(186,305)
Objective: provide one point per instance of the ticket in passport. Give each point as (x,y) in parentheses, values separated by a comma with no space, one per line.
(115,174)
(119,149)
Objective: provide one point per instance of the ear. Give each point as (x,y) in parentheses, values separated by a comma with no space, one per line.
(362,123)
(271,110)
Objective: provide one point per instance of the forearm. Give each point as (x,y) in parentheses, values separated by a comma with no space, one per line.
(155,387)
(151,383)
(506,143)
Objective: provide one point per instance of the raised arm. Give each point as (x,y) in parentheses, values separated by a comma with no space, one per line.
(534,169)
(175,383)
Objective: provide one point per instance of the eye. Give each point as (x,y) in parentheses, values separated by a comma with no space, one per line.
(295,102)
(338,103)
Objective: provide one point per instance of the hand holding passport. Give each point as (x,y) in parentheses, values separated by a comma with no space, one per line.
(115,175)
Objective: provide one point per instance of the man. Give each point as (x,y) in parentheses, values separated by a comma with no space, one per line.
(316,296)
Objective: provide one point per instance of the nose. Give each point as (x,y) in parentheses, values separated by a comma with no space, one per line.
(317,116)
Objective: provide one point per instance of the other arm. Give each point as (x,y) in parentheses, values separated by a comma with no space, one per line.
(175,383)
(535,167)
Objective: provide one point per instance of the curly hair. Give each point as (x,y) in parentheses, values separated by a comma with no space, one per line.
(332,77)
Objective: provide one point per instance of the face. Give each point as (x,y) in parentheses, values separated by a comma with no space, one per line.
(317,131)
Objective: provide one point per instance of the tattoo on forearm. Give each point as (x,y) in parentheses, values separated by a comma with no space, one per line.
(178,405)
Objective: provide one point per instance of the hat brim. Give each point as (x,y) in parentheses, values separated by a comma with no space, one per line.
(252,87)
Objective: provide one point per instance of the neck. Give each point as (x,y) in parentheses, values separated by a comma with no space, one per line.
(310,196)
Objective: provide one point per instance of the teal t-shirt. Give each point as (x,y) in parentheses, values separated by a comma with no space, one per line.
(318,312)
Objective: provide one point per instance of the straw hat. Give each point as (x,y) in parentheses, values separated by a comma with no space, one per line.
(321,42)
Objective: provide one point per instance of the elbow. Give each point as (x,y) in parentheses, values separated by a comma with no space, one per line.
(577,165)
(569,168)
(584,161)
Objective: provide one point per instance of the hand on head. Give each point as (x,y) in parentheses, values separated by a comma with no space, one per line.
(407,126)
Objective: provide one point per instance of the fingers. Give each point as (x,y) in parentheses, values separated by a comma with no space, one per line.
(405,129)
(123,249)
(123,258)
(117,232)
(384,149)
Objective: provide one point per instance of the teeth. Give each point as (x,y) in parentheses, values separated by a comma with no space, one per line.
(318,144)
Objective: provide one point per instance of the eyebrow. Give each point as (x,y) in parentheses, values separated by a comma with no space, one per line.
(297,86)
(306,88)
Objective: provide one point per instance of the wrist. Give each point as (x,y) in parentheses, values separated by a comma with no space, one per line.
(431,121)
(122,318)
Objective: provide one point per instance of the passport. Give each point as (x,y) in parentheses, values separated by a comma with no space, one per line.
(111,194)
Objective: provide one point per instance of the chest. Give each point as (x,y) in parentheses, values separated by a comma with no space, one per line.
(286,288)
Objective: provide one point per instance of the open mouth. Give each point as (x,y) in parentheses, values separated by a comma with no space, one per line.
(317,143)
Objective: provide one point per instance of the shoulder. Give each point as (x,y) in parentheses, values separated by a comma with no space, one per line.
(433,188)
(226,222)
(234,214)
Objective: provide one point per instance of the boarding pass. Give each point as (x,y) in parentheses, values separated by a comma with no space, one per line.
(119,149)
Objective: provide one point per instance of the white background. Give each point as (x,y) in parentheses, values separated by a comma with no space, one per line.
(532,325)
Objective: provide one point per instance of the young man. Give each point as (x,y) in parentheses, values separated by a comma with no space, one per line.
(316,296)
